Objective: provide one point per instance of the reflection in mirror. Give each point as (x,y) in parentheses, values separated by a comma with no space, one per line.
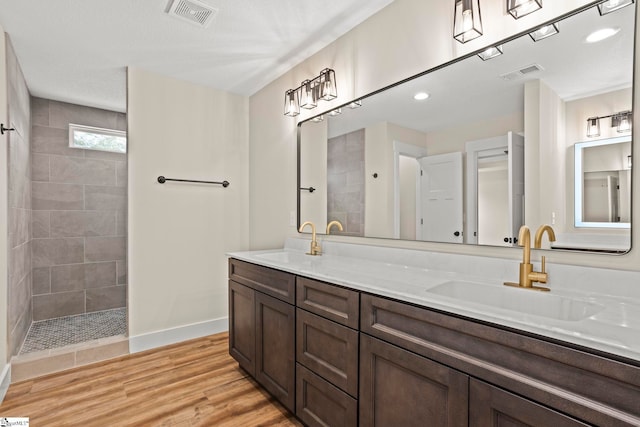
(477,157)
(603,183)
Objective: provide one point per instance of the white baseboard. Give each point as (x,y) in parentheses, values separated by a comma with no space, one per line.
(164,337)
(5,381)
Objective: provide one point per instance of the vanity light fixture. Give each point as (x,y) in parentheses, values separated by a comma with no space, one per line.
(355,104)
(421,96)
(520,8)
(291,103)
(467,24)
(490,52)
(593,127)
(612,5)
(309,92)
(621,121)
(544,32)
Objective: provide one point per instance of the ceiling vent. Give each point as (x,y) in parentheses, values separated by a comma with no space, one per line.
(523,72)
(192,11)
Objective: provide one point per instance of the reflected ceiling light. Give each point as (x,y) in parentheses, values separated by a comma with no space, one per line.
(335,112)
(593,127)
(601,34)
(309,92)
(355,104)
(490,52)
(520,8)
(612,5)
(544,32)
(291,103)
(467,24)
(421,96)
(629,161)
(318,118)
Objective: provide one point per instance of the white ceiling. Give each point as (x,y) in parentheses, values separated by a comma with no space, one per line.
(472,90)
(77,50)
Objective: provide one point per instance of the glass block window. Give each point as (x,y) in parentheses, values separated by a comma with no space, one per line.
(92,138)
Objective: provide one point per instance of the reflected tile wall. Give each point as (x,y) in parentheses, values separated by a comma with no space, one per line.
(345,186)
(79,214)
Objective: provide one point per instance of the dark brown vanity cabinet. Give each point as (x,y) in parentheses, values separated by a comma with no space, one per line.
(326,354)
(262,327)
(400,388)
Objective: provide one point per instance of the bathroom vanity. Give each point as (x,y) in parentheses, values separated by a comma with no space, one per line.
(340,343)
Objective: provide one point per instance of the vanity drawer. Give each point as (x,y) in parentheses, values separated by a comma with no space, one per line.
(328,349)
(319,403)
(587,386)
(275,283)
(338,304)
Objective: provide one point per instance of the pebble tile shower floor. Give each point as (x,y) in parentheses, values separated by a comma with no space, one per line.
(63,331)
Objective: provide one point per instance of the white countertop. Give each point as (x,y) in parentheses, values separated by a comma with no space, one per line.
(601,306)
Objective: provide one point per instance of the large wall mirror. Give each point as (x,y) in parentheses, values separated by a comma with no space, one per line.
(491,146)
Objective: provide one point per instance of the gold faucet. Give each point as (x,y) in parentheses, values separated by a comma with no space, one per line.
(527,274)
(315,246)
(332,223)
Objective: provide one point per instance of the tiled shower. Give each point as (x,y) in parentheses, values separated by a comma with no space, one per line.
(67,225)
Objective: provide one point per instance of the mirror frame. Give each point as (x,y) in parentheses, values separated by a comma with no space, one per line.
(446,64)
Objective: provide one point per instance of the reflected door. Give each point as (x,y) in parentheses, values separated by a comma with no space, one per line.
(441,198)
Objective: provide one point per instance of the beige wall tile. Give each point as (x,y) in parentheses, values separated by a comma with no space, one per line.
(83,223)
(40,224)
(99,299)
(40,167)
(58,305)
(39,111)
(82,276)
(62,113)
(50,196)
(48,252)
(105,198)
(48,140)
(41,280)
(77,170)
(105,248)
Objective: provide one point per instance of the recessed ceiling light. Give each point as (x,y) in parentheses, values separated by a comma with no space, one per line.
(420,96)
(601,34)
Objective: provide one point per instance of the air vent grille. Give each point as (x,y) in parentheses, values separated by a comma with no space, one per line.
(521,73)
(192,11)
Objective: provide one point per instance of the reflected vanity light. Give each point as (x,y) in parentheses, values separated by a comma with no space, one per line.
(335,112)
(629,161)
(421,96)
(612,5)
(544,32)
(490,52)
(318,118)
(309,92)
(621,121)
(601,34)
(593,127)
(467,24)
(355,104)
(520,8)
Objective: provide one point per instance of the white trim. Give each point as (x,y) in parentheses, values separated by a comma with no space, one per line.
(175,335)
(409,150)
(5,381)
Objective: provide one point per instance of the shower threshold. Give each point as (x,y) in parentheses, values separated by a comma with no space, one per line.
(64,331)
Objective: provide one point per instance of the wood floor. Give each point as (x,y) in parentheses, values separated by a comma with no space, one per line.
(195,383)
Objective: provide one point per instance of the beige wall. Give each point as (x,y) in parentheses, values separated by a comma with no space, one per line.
(375,54)
(179,232)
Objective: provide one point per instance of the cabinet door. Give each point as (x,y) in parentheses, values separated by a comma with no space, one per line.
(400,388)
(321,404)
(242,326)
(328,349)
(490,406)
(275,348)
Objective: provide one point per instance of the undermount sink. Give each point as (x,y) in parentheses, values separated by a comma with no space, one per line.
(519,300)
